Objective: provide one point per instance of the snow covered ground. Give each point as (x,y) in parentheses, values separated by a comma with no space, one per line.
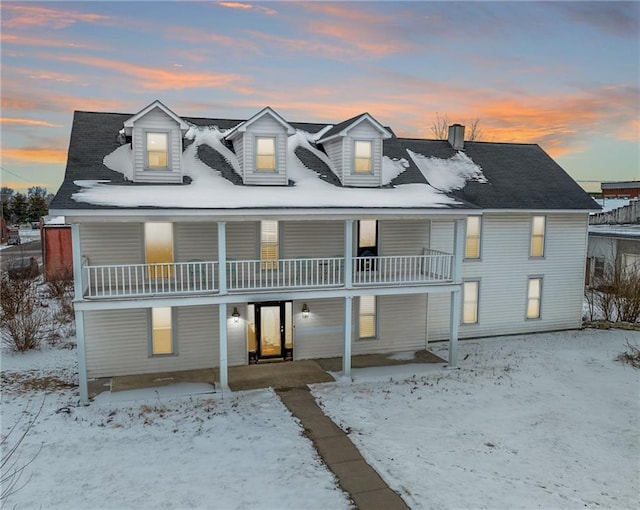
(538,421)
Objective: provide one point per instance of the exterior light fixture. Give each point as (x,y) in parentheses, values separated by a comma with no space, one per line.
(235,314)
(305,311)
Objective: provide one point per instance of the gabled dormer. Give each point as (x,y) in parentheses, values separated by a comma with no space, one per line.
(260,144)
(156,143)
(355,149)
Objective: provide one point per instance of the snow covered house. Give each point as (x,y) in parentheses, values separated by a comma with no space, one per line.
(204,242)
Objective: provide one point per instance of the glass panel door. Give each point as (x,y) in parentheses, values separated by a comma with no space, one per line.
(270,331)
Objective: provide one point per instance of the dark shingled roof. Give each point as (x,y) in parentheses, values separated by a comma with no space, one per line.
(521,176)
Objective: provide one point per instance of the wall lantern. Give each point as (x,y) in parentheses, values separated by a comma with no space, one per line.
(235,314)
(305,311)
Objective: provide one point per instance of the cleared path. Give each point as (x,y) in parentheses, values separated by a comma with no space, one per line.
(365,486)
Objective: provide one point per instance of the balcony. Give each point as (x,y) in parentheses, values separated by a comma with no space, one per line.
(202,277)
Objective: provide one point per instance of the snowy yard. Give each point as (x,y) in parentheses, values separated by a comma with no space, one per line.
(538,421)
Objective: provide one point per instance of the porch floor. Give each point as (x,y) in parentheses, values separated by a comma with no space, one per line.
(277,375)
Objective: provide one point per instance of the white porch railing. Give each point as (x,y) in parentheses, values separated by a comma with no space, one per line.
(432,266)
(304,272)
(129,280)
(138,280)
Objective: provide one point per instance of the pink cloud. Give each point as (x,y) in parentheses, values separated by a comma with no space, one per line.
(17,15)
(247,7)
(27,122)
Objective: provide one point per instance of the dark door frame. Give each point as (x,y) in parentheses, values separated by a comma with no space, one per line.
(258,319)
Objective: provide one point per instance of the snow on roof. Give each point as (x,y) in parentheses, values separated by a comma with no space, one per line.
(209,189)
(448,174)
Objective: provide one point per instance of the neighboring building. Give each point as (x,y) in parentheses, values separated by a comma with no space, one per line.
(4,231)
(57,254)
(612,247)
(211,242)
(622,189)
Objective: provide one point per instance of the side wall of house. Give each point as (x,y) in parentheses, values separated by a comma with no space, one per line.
(334,151)
(157,120)
(504,271)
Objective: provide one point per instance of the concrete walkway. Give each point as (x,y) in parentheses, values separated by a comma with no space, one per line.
(355,476)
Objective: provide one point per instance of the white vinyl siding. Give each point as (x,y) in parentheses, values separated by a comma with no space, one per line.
(341,152)
(321,335)
(157,121)
(112,243)
(333,149)
(504,269)
(403,237)
(243,240)
(312,239)
(117,341)
(196,241)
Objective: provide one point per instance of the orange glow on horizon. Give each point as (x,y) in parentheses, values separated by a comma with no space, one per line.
(27,122)
(35,155)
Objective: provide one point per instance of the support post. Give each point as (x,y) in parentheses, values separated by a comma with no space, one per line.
(456,276)
(83,385)
(222,257)
(223,362)
(346,356)
(348,254)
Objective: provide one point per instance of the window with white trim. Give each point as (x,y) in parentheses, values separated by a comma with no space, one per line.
(470,302)
(534,298)
(266,153)
(363,156)
(472,244)
(631,263)
(157,150)
(538,228)
(269,244)
(162,331)
(367,317)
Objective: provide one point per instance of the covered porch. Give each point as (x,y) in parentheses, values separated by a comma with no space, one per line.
(277,375)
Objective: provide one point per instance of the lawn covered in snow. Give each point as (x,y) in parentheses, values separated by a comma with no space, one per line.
(241,450)
(539,421)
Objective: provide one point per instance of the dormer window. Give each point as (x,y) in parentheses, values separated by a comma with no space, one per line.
(363,156)
(266,153)
(157,147)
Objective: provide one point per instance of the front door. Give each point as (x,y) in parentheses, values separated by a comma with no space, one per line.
(270,318)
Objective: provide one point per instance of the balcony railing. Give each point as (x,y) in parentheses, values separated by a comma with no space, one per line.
(199,277)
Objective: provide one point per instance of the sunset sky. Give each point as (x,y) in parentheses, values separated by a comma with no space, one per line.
(564,75)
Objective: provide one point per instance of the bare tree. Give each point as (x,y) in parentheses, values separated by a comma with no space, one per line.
(440,128)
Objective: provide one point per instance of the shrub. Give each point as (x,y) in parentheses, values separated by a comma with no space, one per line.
(24,321)
(630,356)
(60,283)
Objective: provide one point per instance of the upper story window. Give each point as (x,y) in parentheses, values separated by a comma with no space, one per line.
(158,248)
(269,244)
(266,153)
(472,245)
(363,157)
(537,236)
(157,146)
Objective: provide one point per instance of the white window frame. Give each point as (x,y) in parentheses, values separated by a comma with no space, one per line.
(467,236)
(630,263)
(530,280)
(256,154)
(269,263)
(356,158)
(374,315)
(146,134)
(162,271)
(174,349)
(475,301)
(534,236)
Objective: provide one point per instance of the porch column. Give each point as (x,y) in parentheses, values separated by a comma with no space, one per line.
(222,257)
(456,276)
(78,285)
(224,371)
(346,356)
(348,254)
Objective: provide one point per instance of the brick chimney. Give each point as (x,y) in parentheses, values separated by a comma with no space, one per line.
(456,136)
